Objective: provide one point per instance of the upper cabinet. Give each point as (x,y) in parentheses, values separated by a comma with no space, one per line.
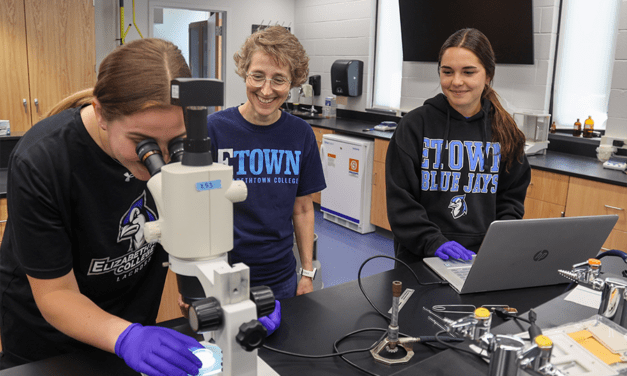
(47,52)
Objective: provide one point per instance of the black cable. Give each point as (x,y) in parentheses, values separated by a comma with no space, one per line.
(404,264)
(329,355)
(424,340)
(335,348)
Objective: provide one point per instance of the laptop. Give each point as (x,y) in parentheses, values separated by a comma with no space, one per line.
(526,253)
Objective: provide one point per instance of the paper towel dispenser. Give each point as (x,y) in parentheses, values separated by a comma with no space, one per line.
(347,77)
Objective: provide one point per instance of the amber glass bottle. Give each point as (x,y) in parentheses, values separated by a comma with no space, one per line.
(577,129)
(588,127)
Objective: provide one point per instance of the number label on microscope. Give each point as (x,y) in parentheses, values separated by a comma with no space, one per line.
(208,185)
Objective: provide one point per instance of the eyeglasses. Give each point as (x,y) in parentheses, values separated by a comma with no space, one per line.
(258,80)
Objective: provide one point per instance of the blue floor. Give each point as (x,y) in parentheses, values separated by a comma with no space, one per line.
(341,251)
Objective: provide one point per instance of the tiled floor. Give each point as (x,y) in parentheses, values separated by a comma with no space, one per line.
(341,251)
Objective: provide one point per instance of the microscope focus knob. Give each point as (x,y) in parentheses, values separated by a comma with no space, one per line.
(263,297)
(205,315)
(252,335)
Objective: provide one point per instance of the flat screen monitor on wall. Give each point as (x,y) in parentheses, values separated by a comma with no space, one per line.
(508,24)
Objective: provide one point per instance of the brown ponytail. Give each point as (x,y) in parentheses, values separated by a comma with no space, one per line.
(75,100)
(504,129)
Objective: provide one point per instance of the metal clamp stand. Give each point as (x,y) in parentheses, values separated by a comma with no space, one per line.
(507,353)
(613,290)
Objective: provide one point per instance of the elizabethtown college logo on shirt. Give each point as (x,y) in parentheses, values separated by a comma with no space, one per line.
(131,230)
(263,166)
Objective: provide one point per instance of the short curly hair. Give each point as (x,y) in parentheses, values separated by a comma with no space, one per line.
(282,46)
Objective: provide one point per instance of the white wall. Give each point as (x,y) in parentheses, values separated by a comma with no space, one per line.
(617,119)
(333,30)
(343,29)
(240,16)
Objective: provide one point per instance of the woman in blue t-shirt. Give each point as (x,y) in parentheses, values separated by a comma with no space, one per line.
(276,155)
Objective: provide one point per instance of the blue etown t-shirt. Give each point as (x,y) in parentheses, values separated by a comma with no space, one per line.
(278,163)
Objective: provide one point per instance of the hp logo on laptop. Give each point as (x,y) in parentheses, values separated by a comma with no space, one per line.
(541,255)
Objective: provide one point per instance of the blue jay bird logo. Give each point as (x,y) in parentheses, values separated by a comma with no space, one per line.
(458,206)
(132,223)
(139,252)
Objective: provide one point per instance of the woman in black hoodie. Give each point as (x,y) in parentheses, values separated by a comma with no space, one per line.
(457,163)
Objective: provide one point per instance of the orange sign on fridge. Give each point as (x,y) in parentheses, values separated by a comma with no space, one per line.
(353,165)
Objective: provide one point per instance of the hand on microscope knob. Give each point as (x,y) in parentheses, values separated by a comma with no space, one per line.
(453,249)
(273,320)
(158,351)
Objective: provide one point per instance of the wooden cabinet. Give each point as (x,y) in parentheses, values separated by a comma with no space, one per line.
(378,204)
(3,216)
(169,308)
(586,197)
(47,52)
(546,195)
(319,132)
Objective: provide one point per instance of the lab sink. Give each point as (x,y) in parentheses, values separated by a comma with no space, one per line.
(305,114)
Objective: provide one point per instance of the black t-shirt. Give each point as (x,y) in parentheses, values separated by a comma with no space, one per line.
(72,207)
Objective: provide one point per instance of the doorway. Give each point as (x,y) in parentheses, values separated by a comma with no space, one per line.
(199,34)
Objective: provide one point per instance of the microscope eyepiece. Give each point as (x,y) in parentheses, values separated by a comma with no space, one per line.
(150,155)
(176,149)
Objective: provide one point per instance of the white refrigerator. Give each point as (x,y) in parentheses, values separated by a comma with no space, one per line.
(347,164)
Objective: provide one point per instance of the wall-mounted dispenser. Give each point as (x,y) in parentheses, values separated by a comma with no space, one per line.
(347,77)
(315,82)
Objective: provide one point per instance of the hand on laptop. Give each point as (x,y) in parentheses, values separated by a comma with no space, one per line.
(453,249)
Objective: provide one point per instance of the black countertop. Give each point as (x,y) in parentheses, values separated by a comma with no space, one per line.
(577,166)
(311,323)
(553,161)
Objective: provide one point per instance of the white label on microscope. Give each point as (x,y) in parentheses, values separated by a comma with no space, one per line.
(208,185)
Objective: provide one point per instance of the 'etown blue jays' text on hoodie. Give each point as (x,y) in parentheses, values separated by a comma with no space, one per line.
(446,180)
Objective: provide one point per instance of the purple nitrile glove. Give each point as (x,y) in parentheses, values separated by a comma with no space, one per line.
(455,250)
(158,351)
(273,320)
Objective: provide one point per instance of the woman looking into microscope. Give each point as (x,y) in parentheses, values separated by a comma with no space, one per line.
(75,269)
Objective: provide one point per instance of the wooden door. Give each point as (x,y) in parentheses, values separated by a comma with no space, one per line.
(61,50)
(14,65)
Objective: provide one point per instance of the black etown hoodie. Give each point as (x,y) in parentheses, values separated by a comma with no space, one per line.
(446,180)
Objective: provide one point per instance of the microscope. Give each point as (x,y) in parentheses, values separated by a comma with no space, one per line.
(195,197)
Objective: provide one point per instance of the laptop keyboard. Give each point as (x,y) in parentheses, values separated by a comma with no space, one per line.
(461,272)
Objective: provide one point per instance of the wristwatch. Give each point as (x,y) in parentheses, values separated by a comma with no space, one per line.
(308,273)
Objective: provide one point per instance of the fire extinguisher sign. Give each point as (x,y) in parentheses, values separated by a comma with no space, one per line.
(353,166)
